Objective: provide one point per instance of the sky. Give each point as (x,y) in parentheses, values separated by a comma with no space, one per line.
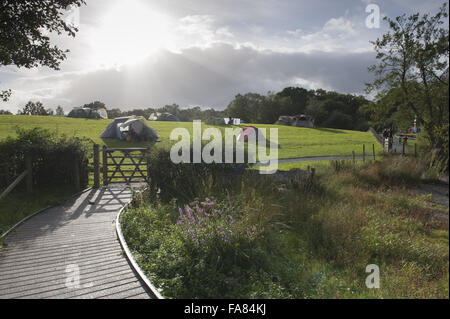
(149,53)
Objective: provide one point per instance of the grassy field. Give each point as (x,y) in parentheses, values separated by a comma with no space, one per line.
(294,142)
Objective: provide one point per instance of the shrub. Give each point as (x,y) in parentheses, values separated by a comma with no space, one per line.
(208,253)
(187,181)
(53,157)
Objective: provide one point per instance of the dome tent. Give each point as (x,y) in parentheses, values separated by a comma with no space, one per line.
(248,131)
(87,113)
(130,128)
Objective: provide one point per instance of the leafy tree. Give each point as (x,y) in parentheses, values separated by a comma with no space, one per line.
(59,111)
(337,119)
(4,95)
(5,112)
(24,23)
(245,107)
(24,41)
(298,100)
(95,105)
(37,108)
(113,113)
(389,111)
(413,59)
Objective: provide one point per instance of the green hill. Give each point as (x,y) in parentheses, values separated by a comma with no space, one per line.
(294,141)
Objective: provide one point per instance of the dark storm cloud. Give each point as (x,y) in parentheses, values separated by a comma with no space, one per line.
(213,76)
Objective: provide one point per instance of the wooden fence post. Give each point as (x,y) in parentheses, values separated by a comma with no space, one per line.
(353,155)
(403,148)
(96,166)
(77,174)
(105,167)
(29,168)
(147,159)
(373,147)
(364,153)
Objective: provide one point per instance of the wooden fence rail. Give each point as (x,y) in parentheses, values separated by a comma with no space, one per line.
(129,167)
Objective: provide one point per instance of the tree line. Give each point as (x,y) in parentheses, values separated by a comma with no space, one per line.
(411,76)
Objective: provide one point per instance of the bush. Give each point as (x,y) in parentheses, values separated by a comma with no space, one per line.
(53,157)
(208,253)
(187,181)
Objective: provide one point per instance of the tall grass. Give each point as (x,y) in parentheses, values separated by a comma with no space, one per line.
(299,238)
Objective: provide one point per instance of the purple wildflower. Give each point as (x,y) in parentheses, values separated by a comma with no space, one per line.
(181,213)
(209,202)
(199,210)
(189,211)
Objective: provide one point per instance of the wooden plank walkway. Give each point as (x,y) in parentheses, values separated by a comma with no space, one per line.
(46,255)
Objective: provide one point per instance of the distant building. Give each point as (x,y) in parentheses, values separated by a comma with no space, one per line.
(301,120)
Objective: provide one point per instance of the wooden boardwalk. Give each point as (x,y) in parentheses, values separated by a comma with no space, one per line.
(71,251)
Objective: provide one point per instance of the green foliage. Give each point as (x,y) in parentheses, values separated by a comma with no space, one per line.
(23,41)
(5,95)
(329,109)
(5,112)
(59,111)
(288,241)
(207,253)
(32,108)
(411,77)
(53,157)
(185,181)
(95,105)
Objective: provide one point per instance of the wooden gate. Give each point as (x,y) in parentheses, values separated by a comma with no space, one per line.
(124,165)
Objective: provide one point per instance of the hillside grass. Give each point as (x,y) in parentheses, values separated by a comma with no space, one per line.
(294,142)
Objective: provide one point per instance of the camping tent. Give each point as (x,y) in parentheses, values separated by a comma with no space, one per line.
(303,121)
(87,113)
(298,120)
(248,131)
(167,117)
(130,128)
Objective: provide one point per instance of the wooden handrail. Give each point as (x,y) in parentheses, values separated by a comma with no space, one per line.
(13,184)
